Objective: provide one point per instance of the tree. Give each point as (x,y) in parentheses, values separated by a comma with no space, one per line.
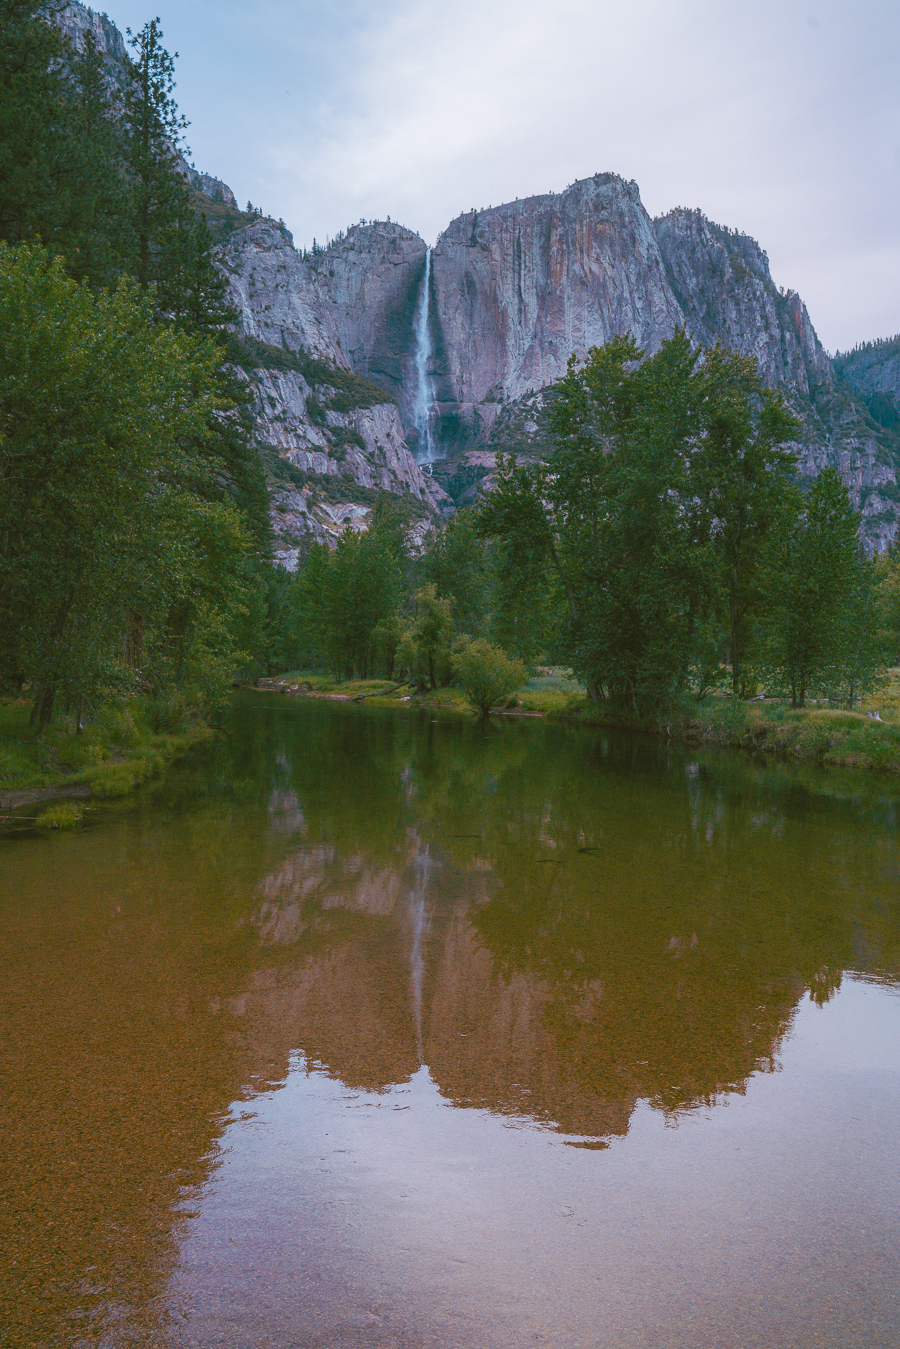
(171,249)
(820,619)
(650,512)
(488,676)
(424,649)
(344,597)
(108,509)
(458,564)
(60,145)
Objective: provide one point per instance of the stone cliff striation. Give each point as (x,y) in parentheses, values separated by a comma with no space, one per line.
(513,292)
(332,439)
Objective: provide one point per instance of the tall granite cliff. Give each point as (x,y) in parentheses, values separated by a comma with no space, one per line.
(332,439)
(520,287)
(514,290)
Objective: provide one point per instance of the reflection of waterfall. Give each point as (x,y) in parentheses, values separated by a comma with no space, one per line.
(424,407)
(419,920)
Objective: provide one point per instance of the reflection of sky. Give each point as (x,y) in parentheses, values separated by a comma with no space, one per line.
(779,119)
(767,1220)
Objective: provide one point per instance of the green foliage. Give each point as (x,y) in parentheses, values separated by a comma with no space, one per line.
(134,531)
(818,629)
(458,563)
(351,391)
(62,815)
(424,648)
(488,676)
(651,514)
(344,596)
(343,435)
(121,564)
(60,178)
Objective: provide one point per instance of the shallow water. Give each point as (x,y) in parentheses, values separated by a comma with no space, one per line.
(366,1028)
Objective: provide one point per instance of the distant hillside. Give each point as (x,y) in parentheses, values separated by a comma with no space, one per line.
(872,371)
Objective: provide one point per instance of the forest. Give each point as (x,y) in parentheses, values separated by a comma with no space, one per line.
(663,551)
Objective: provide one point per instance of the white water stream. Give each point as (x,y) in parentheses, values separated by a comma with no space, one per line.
(424,405)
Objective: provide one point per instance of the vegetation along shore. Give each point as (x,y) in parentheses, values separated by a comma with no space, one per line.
(660,550)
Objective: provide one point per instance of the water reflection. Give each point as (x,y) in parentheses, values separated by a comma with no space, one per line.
(548,925)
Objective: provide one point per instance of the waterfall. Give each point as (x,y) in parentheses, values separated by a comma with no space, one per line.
(424,406)
(418,913)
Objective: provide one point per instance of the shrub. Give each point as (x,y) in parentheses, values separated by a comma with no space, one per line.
(170,712)
(64,815)
(488,676)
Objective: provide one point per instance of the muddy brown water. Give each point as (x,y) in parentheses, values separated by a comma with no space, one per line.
(370,1029)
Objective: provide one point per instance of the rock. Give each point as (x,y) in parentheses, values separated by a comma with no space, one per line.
(519,287)
(514,291)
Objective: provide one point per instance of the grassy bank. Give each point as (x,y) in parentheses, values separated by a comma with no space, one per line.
(818,733)
(112,756)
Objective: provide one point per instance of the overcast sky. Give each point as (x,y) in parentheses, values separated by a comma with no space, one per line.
(780,118)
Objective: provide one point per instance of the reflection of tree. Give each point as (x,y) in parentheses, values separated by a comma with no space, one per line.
(116,1072)
(600,921)
(650,928)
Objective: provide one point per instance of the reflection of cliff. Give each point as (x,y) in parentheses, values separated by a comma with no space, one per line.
(603,921)
(558,924)
(573,1027)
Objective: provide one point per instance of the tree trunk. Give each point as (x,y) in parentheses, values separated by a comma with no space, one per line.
(134,642)
(42,710)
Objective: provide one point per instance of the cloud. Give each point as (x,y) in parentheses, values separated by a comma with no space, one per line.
(769,122)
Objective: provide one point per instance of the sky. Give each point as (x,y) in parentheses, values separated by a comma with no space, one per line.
(780,118)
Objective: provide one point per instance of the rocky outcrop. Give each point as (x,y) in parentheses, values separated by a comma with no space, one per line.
(278,297)
(726,294)
(213,188)
(77,22)
(519,287)
(328,464)
(514,291)
(372,276)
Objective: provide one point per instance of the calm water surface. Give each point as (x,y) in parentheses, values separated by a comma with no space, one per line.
(369,1029)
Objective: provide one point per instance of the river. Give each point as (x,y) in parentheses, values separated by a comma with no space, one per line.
(377,1028)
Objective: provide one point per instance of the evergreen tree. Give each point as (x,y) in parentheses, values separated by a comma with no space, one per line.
(118,568)
(651,512)
(819,622)
(424,650)
(458,564)
(60,145)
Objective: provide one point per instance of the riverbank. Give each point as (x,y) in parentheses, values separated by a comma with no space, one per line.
(110,758)
(820,734)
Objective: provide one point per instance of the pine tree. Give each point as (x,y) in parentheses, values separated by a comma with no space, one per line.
(818,583)
(60,162)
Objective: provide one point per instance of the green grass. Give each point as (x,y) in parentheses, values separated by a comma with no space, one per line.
(545,693)
(823,735)
(112,756)
(63,815)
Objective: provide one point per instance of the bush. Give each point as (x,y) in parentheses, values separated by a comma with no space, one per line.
(63,816)
(170,712)
(487,675)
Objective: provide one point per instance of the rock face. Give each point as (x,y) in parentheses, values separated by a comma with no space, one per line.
(726,294)
(520,287)
(514,291)
(328,463)
(76,21)
(372,278)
